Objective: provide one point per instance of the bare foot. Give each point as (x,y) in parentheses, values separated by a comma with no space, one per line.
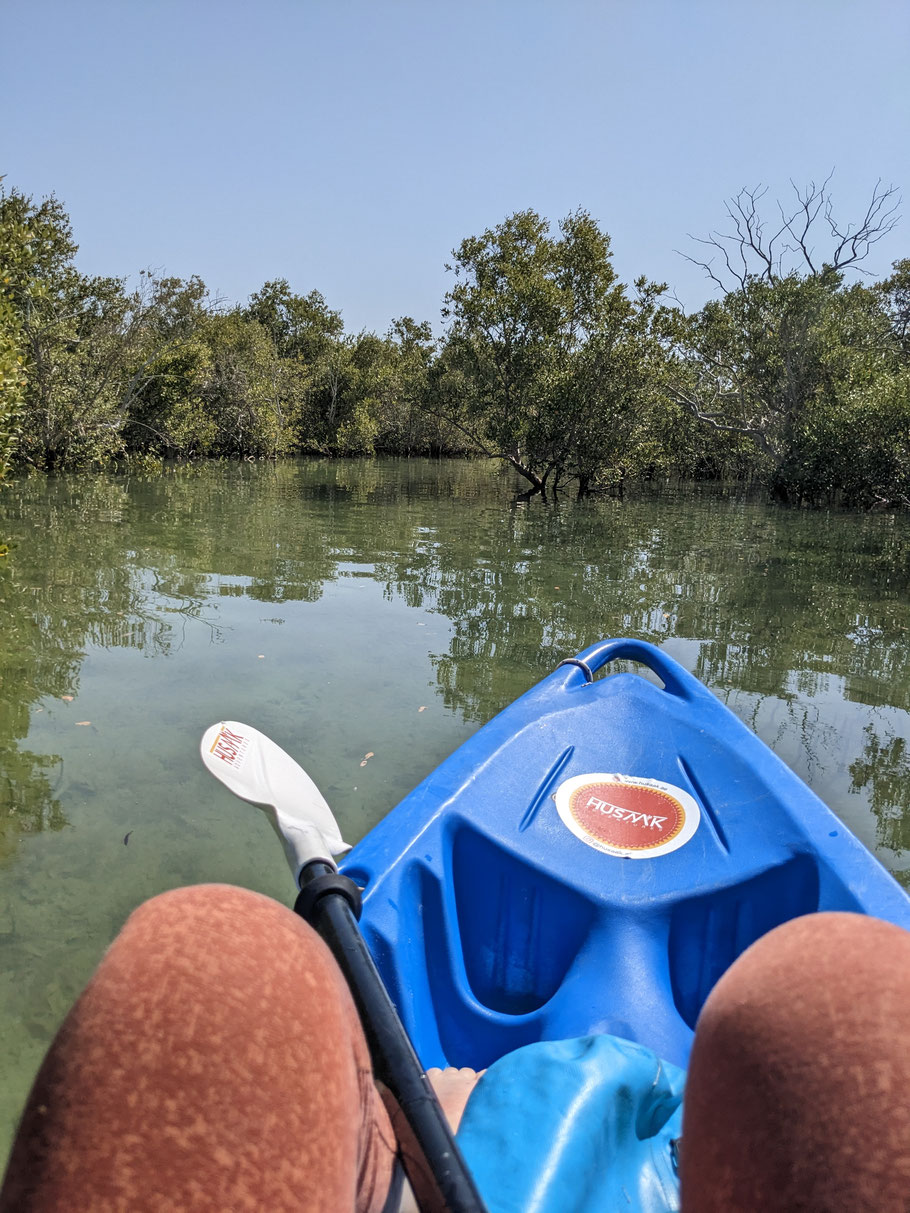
(452,1089)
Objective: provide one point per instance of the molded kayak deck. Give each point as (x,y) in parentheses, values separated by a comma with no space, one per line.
(592,860)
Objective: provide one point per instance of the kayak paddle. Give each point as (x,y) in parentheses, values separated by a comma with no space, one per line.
(260,772)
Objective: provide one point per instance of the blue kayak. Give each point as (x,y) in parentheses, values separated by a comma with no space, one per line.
(591,861)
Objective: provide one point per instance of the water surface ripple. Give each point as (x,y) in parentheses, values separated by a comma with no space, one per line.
(385,608)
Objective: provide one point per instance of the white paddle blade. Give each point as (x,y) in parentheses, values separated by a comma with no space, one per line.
(257,770)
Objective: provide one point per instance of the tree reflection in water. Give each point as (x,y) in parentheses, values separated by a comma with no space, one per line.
(415,600)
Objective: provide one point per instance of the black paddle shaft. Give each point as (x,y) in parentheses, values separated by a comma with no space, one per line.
(437,1172)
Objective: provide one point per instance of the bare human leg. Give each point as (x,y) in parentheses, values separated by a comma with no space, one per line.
(215,1061)
(798,1094)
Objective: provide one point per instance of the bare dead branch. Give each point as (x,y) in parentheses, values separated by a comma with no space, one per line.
(881,217)
(750,250)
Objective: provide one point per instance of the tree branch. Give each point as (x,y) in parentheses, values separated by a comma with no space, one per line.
(731,427)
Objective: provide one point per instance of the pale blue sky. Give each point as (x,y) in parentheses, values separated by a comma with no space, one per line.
(349,145)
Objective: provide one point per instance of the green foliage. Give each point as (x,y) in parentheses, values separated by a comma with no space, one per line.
(12,361)
(408,423)
(856,447)
(12,385)
(611,420)
(786,364)
(344,383)
(301,326)
(82,339)
(368,394)
(894,293)
(251,396)
(548,364)
(169,416)
(794,360)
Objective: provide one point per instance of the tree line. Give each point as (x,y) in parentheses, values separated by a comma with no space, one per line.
(796,374)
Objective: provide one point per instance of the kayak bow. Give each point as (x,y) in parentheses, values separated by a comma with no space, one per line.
(592,861)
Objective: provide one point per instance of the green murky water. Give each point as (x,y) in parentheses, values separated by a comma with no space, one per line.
(390,608)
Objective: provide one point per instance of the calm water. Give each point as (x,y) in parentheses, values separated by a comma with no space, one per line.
(388,607)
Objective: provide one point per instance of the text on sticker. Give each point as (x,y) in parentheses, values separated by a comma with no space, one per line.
(647,820)
(230,747)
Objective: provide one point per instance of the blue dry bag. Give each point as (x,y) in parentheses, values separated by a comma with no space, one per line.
(576,1126)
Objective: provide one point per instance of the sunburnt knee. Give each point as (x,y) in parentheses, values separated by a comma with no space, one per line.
(221,919)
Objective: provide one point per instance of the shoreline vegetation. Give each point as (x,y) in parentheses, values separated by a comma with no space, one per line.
(795,376)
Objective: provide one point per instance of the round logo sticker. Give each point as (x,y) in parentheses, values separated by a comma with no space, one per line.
(627,816)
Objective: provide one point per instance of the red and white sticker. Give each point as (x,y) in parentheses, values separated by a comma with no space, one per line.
(230,747)
(628,816)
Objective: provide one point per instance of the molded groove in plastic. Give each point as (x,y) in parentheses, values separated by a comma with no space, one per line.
(546,788)
(705,803)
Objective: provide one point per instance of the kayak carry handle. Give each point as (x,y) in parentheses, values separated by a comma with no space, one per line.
(675,679)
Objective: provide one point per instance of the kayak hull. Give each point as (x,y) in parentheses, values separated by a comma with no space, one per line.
(591,861)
